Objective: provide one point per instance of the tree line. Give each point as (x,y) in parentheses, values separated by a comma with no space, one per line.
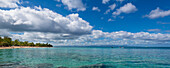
(7,42)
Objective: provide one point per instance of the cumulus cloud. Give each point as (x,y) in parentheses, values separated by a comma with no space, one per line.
(42,20)
(157,13)
(74,4)
(9,3)
(111,7)
(128,8)
(105,1)
(96,9)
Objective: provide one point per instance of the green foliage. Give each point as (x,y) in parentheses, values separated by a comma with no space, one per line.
(6,42)
(1,39)
(31,44)
(16,42)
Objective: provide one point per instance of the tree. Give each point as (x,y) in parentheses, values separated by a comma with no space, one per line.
(16,42)
(1,39)
(37,44)
(7,40)
(31,44)
(25,43)
(5,44)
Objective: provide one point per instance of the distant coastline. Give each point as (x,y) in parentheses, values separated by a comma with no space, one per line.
(117,46)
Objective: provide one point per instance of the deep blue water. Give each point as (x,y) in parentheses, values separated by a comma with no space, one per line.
(85,57)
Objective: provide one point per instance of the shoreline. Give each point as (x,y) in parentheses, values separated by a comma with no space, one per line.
(15,47)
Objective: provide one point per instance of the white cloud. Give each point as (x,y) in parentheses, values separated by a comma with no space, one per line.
(128,8)
(43,37)
(42,20)
(4,32)
(96,9)
(74,4)
(154,30)
(158,13)
(105,1)
(167,31)
(110,20)
(120,0)
(126,38)
(9,3)
(107,11)
(58,5)
(159,22)
(111,7)
(57,0)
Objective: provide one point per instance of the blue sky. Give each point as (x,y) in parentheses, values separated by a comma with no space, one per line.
(87,22)
(132,22)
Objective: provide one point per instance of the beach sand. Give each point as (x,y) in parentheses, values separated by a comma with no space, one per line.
(13,47)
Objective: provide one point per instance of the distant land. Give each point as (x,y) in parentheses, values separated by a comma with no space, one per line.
(7,43)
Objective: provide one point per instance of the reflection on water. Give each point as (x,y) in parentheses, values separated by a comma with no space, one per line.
(75,57)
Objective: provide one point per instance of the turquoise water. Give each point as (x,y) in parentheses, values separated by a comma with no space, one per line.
(83,57)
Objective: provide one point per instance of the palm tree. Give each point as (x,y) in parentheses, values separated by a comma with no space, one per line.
(16,42)
(31,44)
(7,41)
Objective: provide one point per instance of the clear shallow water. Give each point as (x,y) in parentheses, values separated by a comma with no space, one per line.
(79,57)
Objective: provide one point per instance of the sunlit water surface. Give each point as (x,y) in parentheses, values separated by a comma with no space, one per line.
(79,57)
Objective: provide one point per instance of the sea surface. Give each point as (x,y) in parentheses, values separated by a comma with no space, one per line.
(85,57)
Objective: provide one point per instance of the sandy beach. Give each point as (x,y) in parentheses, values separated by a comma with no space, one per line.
(13,47)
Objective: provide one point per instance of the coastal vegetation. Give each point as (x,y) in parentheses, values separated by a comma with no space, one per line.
(7,42)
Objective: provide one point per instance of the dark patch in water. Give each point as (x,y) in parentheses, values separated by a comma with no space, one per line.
(9,64)
(12,65)
(62,67)
(22,67)
(94,66)
(89,66)
(162,64)
(45,65)
(150,62)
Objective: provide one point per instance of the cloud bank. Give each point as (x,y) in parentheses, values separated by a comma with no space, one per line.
(97,37)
